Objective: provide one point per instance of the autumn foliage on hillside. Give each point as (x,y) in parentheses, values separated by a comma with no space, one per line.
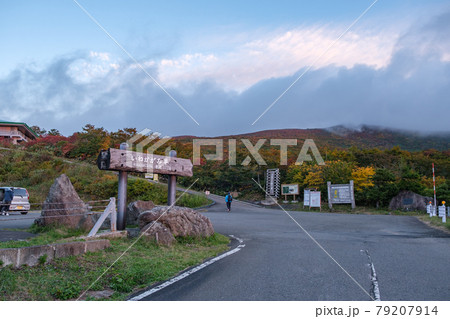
(379,173)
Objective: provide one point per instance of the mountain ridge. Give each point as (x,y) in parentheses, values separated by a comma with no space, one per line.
(341,136)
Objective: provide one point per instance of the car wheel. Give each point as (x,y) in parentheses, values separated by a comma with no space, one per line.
(24,213)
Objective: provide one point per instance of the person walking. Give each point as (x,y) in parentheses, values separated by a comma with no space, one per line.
(228,200)
(7,198)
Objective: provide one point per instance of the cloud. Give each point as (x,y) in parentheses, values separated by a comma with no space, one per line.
(280,54)
(371,80)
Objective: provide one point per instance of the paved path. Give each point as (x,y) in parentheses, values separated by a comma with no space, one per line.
(9,224)
(281,262)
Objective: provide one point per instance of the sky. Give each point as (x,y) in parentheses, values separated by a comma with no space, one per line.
(211,68)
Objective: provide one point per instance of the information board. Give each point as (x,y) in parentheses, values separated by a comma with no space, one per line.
(341,194)
(289,189)
(306,201)
(314,199)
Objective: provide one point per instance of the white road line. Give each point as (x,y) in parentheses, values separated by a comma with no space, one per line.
(189,272)
(376,289)
(373,278)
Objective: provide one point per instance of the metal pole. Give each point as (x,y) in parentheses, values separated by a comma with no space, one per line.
(122,196)
(434,187)
(172,183)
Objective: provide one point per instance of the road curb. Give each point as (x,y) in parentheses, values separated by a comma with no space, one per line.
(206,206)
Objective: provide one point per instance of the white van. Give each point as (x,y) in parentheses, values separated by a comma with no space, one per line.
(20,202)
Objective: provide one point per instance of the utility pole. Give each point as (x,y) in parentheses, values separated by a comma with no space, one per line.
(434,187)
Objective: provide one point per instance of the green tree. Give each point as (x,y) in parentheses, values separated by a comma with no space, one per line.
(53,132)
(384,188)
(410,180)
(38,130)
(89,142)
(337,172)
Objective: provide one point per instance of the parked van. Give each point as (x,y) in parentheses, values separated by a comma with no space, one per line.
(20,202)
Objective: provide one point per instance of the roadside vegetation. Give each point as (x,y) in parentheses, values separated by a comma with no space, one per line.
(346,209)
(143,265)
(437,222)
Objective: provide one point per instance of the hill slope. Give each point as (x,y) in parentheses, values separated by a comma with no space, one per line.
(343,137)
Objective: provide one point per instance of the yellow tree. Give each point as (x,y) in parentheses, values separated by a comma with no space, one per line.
(314,179)
(428,181)
(362,177)
(297,173)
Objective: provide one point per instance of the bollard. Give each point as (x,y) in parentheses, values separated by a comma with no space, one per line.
(442,211)
(122,196)
(172,184)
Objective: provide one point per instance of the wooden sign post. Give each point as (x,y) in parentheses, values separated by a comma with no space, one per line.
(341,194)
(289,189)
(124,161)
(129,161)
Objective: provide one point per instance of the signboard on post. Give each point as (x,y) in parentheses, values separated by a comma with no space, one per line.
(273,182)
(306,198)
(341,194)
(289,189)
(124,161)
(151,176)
(129,161)
(311,198)
(314,199)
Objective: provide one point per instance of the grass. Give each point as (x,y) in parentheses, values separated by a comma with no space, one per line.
(346,209)
(190,200)
(437,222)
(144,264)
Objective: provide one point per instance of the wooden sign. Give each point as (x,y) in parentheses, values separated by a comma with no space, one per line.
(341,194)
(129,161)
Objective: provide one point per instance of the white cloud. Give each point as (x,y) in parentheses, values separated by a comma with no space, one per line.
(278,55)
(103,56)
(366,78)
(94,67)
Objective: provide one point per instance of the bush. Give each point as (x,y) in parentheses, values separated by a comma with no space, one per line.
(139,189)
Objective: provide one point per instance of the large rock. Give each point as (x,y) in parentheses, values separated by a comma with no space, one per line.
(180,221)
(134,209)
(63,207)
(159,233)
(409,201)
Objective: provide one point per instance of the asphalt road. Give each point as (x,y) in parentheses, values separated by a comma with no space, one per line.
(281,262)
(12,227)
